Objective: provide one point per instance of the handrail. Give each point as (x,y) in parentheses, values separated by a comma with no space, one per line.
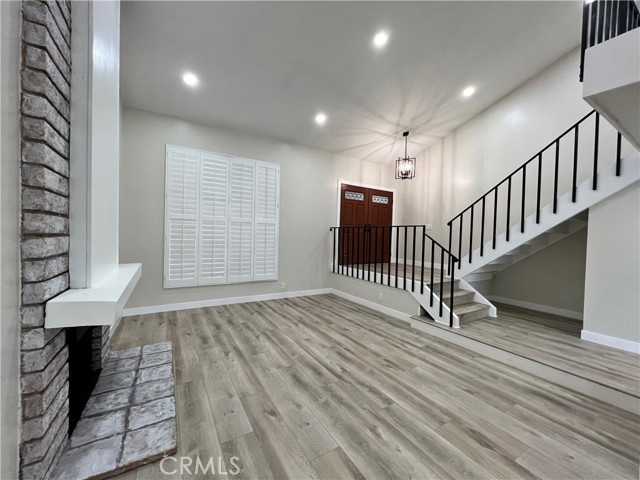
(379,226)
(557,139)
(357,248)
(455,259)
(603,20)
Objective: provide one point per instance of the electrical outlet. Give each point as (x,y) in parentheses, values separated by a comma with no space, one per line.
(380,296)
(283,285)
(428,226)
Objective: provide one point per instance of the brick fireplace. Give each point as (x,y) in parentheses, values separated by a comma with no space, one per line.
(45,121)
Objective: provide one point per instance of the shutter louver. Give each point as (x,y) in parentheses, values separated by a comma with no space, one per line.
(182,217)
(214,173)
(266,235)
(241,204)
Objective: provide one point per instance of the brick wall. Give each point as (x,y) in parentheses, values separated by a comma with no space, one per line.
(45,107)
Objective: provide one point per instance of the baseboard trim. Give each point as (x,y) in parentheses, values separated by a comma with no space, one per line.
(537,307)
(171,307)
(614,342)
(405,317)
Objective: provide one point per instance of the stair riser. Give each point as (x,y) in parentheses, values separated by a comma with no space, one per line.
(467,317)
(461,300)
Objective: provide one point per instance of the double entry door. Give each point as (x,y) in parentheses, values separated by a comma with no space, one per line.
(366,215)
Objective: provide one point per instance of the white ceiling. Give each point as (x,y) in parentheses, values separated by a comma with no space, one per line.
(267,68)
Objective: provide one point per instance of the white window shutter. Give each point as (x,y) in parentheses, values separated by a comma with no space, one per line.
(266,221)
(181,217)
(214,179)
(241,216)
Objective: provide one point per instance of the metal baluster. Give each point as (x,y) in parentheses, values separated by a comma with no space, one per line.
(368,254)
(495,215)
(404,268)
(601,13)
(413,263)
(361,254)
(619,155)
(460,241)
(481,229)
(424,239)
(397,247)
(585,17)
(375,256)
(382,250)
(358,252)
(450,240)
(334,250)
(390,244)
(555,177)
(471,235)
(524,186)
(539,187)
(353,248)
(608,33)
(433,253)
(574,189)
(593,17)
(441,278)
(508,205)
(595,152)
(452,289)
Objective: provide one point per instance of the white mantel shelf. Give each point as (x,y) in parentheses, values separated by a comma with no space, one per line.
(99,305)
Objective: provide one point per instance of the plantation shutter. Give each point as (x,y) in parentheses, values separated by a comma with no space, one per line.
(181,216)
(266,221)
(221,219)
(214,173)
(241,215)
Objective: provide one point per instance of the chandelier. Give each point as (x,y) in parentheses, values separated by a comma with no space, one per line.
(405,167)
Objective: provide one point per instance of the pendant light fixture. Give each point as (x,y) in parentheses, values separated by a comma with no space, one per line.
(405,167)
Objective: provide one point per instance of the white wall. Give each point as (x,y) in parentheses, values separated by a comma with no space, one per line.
(465,164)
(537,280)
(612,285)
(10,17)
(308,196)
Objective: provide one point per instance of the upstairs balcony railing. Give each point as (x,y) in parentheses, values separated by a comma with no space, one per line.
(606,19)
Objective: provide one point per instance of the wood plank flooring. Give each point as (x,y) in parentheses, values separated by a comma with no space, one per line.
(555,341)
(322,388)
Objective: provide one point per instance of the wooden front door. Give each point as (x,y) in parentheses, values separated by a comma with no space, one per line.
(366,215)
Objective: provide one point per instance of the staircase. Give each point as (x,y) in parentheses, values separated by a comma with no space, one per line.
(505,225)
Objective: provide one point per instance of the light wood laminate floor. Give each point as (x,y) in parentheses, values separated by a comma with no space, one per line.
(555,341)
(322,388)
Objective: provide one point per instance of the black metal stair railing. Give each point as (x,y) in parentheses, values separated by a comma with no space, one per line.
(361,251)
(606,19)
(498,196)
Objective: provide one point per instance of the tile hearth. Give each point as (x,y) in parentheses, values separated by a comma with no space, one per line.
(130,419)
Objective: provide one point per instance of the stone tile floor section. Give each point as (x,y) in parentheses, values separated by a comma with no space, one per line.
(130,419)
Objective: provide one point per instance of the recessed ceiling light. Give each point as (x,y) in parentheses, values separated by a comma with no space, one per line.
(190,79)
(321,118)
(467,92)
(381,39)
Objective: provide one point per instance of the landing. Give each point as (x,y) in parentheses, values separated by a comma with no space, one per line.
(555,341)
